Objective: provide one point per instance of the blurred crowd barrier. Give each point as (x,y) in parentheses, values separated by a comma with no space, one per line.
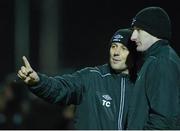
(20,109)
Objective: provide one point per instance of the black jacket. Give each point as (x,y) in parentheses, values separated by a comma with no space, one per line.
(101,96)
(156,99)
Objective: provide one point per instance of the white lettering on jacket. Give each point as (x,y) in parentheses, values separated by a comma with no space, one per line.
(106,103)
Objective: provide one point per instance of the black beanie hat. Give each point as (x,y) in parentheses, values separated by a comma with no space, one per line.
(122,36)
(155,21)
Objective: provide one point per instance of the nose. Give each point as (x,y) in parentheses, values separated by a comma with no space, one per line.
(134,35)
(117,51)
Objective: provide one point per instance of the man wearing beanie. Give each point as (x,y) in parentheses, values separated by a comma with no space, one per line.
(100,94)
(156,98)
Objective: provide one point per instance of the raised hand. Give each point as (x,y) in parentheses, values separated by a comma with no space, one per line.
(27,74)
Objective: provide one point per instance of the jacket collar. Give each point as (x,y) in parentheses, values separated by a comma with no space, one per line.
(155,48)
(109,69)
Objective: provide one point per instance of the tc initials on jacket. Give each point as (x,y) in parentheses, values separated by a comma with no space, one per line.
(106,103)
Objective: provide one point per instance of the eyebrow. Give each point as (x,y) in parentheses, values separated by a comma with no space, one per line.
(136,28)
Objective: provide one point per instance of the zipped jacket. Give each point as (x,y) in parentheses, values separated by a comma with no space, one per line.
(156,97)
(101,96)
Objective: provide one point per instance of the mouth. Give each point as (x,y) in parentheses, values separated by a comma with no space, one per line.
(116,60)
(138,43)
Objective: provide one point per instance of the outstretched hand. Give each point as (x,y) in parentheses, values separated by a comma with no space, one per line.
(27,74)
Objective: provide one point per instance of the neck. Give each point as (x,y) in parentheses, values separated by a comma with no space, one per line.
(125,71)
(155,39)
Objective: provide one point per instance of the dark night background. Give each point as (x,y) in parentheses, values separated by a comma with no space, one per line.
(87,26)
(83,31)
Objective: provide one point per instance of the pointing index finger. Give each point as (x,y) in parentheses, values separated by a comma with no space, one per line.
(26,63)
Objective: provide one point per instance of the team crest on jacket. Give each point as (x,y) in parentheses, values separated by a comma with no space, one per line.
(107,97)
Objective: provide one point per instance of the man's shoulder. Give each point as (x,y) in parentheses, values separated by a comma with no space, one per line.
(101,70)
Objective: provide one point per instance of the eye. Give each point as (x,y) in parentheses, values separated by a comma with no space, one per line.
(124,48)
(113,46)
(136,28)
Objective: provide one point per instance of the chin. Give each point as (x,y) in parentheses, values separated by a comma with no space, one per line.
(115,67)
(139,49)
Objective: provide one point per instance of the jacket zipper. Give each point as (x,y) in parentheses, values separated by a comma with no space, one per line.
(121,107)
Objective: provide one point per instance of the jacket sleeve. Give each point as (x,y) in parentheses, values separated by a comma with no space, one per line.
(65,89)
(162,93)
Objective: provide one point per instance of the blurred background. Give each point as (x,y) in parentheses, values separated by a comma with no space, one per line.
(57,37)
